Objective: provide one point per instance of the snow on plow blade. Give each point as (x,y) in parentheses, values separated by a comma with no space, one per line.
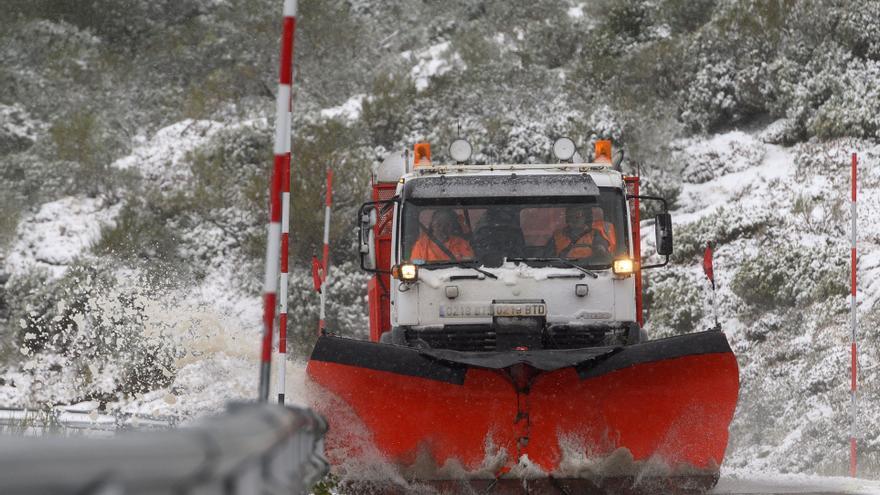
(658,409)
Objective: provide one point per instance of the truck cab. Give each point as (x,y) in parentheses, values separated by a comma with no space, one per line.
(503,257)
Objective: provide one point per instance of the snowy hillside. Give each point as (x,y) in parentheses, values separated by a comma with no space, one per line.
(135,140)
(780,218)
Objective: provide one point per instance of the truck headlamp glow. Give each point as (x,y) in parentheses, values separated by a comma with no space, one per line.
(623,266)
(406,272)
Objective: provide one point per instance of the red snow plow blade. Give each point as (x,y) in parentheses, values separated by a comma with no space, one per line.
(659,409)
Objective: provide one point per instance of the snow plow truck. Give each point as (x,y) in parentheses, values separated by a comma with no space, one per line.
(506,350)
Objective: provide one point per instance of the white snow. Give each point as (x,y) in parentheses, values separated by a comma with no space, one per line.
(748,187)
(17,123)
(762,483)
(349,111)
(706,159)
(431,62)
(162,157)
(57,233)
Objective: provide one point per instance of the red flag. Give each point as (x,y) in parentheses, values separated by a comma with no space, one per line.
(707,263)
(316,273)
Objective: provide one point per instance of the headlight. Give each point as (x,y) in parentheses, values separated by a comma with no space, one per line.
(406,272)
(623,266)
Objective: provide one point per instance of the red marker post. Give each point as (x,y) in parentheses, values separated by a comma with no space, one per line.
(281,163)
(853,325)
(709,270)
(325,263)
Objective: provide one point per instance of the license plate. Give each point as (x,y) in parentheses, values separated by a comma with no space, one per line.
(465,311)
(527,309)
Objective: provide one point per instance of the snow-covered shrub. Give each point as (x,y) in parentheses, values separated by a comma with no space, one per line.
(705,160)
(722,226)
(854,107)
(524,142)
(142,231)
(821,79)
(33,179)
(319,147)
(790,276)
(627,20)
(346,306)
(711,97)
(18,130)
(725,65)
(347,301)
(661,184)
(673,302)
(781,131)
(605,123)
(10,209)
(119,22)
(218,211)
(386,116)
(229,188)
(554,43)
(85,144)
(686,15)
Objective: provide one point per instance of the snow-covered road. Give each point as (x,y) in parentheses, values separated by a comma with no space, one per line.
(742,483)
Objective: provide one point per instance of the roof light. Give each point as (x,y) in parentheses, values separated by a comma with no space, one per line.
(603,151)
(460,150)
(422,155)
(564,149)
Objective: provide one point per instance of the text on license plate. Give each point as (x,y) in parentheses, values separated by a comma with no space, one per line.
(527,309)
(488,310)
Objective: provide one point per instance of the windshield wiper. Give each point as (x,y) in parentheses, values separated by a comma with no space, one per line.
(558,260)
(464,264)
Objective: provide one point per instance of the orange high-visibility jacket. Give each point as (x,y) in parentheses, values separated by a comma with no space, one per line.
(583,246)
(426,249)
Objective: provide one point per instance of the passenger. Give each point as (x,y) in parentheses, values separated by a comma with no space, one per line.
(441,243)
(606,229)
(580,238)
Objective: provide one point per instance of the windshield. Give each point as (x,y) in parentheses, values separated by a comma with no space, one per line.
(589,231)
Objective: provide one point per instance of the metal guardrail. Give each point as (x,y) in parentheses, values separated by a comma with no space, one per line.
(253,449)
(71,419)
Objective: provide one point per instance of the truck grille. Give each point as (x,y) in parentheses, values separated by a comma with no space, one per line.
(455,337)
(485,338)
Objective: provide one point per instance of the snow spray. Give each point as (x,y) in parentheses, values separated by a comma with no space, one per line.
(281,162)
(853,325)
(325,262)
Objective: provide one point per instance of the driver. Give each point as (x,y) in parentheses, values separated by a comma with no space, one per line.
(439,243)
(579,238)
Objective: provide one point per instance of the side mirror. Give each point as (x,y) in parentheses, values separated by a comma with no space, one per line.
(367,219)
(662,229)
(663,232)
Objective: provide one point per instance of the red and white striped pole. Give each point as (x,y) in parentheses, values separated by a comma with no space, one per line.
(281,162)
(283,280)
(328,202)
(289,13)
(853,323)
